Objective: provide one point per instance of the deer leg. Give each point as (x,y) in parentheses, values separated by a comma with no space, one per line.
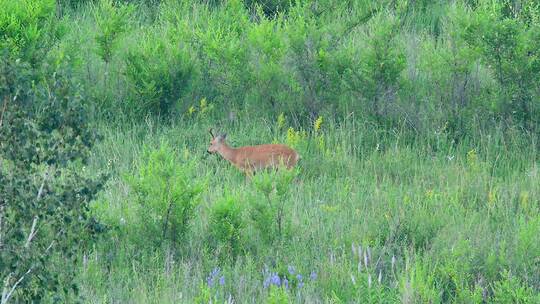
(249,174)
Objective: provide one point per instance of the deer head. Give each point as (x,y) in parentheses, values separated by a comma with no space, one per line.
(216,142)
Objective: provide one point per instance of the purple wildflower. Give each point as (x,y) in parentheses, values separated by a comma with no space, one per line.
(313,275)
(275,279)
(300,284)
(222,280)
(291,269)
(266,283)
(299,277)
(213,275)
(286,283)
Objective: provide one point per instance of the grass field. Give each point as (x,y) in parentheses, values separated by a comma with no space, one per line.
(372,216)
(417,123)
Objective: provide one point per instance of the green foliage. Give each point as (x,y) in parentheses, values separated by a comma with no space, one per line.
(510,290)
(509,46)
(27,28)
(111,22)
(167,196)
(223,55)
(226,227)
(269,215)
(270,80)
(427,156)
(311,61)
(278,295)
(45,189)
(376,77)
(159,73)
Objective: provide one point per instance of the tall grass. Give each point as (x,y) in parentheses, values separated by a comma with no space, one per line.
(423,64)
(417,123)
(376,215)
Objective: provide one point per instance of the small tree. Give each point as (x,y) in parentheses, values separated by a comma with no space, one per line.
(167,195)
(510,47)
(112,23)
(269,215)
(44,189)
(226,227)
(45,141)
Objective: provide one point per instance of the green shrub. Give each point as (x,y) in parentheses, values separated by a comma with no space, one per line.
(159,74)
(223,55)
(27,28)
(111,23)
(375,79)
(311,63)
(272,86)
(510,48)
(451,75)
(510,290)
(167,196)
(226,227)
(269,216)
(45,189)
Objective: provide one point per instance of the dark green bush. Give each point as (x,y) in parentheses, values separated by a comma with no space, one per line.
(45,142)
(374,79)
(270,7)
(159,74)
(223,56)
(45,190)
(510,48)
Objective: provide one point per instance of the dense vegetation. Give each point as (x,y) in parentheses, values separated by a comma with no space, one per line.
(418,124)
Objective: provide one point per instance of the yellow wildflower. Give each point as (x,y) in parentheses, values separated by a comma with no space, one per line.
(281,121)
(203,105)
(317,124)
(472,156)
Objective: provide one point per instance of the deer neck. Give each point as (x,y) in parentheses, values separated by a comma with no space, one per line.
(227,152)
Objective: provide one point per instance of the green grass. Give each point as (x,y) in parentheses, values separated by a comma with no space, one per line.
(422,185)
(455,217)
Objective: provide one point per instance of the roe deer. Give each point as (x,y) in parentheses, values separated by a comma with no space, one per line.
(253,158)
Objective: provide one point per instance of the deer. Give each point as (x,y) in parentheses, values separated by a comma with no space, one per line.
(250,159)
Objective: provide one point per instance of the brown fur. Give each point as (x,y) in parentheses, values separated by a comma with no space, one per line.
(253,158)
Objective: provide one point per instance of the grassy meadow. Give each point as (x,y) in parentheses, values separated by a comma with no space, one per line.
(373,216)
(417,123)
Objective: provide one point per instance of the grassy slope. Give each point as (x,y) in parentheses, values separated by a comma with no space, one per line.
(454,216)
